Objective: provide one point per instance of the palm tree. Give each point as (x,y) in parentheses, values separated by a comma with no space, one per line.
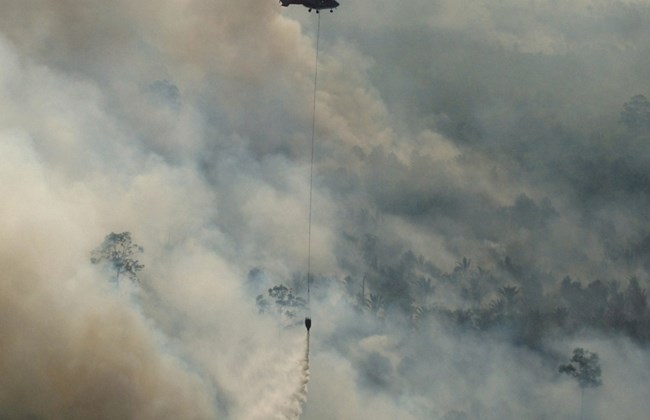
(509,293)
(376,304)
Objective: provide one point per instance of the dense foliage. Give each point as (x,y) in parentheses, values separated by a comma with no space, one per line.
(118,251)
(527,303)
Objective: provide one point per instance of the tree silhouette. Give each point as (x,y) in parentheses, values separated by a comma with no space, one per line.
(375,303)
(509,294)
(636,113)
(285,302)
(636,300)
(118,250)
(585,368)
(462,269)
(560,315)
(474,289)
(636,309)
(424,285)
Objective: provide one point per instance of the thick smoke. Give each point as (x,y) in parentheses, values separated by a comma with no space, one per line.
(480,208)
(71,348)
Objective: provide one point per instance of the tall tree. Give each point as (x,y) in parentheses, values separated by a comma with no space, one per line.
(585,368)
(119,251)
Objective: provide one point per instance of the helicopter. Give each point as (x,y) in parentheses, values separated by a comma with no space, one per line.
(317,5)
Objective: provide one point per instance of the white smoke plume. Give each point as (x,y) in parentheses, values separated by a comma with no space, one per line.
(286,391)
(300,396)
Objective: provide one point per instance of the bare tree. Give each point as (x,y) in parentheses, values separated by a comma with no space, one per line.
(118,250)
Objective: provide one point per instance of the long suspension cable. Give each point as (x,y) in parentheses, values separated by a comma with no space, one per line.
(311,167)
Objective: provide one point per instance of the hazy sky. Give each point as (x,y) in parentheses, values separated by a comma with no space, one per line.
(452,128)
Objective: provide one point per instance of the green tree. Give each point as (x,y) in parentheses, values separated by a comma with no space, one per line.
(585,368)
(119,251)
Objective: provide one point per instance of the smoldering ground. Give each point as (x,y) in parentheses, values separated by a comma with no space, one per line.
(494,132)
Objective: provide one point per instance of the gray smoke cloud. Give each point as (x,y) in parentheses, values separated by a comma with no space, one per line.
(446,129)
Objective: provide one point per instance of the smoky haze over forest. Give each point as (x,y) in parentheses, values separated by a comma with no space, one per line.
(481,195)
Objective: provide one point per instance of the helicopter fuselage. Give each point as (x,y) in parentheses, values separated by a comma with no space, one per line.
(313,4)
